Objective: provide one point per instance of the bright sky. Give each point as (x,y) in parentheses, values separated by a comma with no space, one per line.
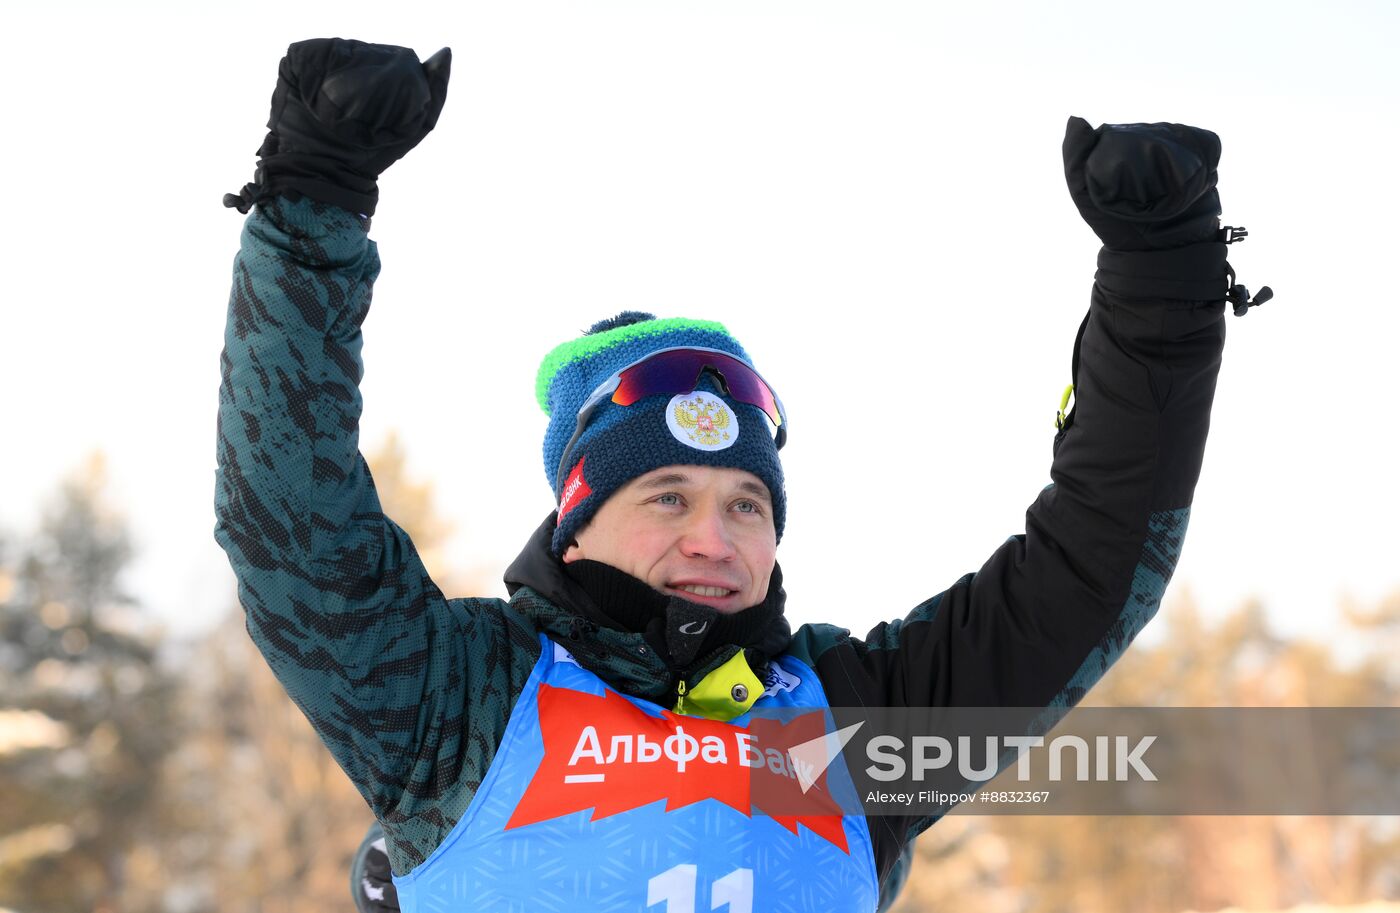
(868,194)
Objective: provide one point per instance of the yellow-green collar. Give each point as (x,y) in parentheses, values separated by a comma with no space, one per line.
(727,692)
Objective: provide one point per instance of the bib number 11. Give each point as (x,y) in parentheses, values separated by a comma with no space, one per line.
(675,888)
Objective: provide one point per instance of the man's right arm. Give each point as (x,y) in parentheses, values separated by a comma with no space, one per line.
(336,598)
(408,691)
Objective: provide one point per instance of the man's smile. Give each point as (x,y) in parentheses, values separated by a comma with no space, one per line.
(709,592)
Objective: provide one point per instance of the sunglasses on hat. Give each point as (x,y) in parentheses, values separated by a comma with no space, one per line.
(678,370)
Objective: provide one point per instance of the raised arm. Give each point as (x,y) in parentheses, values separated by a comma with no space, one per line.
(336,597)
(1052,608)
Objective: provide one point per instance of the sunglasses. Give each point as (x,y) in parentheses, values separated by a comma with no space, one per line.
(678,370)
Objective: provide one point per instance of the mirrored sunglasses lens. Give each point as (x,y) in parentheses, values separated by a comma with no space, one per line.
(670,372)
(748,387)
(679,372)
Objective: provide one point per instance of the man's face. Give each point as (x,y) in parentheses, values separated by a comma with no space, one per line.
(702,533)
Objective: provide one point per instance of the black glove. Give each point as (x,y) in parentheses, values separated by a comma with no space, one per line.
(342,112)
(1144,186)
(371,882)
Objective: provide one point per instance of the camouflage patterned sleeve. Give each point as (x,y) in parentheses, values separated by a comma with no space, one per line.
(399,683)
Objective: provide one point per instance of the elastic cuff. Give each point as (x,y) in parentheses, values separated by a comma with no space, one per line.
(323,179)
(1192,273)
(325,192)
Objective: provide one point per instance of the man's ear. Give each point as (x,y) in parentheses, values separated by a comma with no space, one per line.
(572,553)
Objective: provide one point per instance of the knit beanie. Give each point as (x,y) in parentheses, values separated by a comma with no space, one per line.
(701,427)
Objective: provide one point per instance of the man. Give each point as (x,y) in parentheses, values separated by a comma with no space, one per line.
(513,751)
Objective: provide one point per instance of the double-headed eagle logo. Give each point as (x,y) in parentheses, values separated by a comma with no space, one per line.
(704,420)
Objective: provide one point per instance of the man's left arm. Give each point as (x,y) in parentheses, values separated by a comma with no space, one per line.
(1054,607)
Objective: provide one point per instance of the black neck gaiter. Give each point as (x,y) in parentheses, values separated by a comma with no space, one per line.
(680,631)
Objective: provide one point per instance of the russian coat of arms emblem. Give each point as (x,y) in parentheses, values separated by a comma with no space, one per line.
(702,421)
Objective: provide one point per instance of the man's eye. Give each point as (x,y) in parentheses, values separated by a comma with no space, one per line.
(669,499)
(746,507)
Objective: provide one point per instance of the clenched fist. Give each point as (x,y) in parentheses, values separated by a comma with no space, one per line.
(342,112)
(1144,186)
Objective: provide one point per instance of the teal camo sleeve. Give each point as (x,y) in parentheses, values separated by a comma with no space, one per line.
(404,686)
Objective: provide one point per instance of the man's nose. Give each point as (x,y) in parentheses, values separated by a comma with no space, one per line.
(707,536)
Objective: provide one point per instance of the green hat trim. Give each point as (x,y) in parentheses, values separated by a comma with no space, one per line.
(588,346)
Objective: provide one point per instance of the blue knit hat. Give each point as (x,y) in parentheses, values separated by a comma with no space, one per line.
(701,427)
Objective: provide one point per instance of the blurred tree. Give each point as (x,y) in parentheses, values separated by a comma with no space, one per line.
(1043,864)
(1381,628)
(265,820)
(410,504)
(89,710)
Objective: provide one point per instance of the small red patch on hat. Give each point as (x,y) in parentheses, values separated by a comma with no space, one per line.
(575,490)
